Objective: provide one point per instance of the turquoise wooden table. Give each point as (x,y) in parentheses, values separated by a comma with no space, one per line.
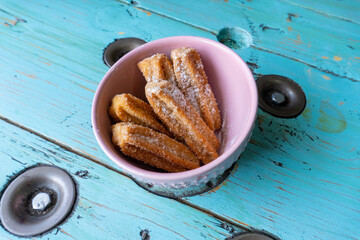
(299,178)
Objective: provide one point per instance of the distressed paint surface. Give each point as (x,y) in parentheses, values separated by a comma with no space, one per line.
(282,27)
(346,10)
(298,178)
(66,76)
(109,206)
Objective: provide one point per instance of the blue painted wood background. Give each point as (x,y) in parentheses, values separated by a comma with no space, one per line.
(297,179)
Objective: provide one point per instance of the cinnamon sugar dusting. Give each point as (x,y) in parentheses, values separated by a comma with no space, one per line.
(175,131)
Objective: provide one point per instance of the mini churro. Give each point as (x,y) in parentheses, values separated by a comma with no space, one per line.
(193,82)
(157,67)
(181,119)
(182,106)
(153,148)
(127,108)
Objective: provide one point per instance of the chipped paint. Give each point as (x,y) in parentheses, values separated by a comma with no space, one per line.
(142,10)
(324,57)
(290,16)
(337,58)
(265,217)
(307,114)
(270,211)
(85,87)
(325,77)
(61,230)
(218,187)
(331,119)
(331,182)
(260,119)
(33,76)
(235,220)
(75,23)
(150,207)
(330,144)
(46,63)
(283,189)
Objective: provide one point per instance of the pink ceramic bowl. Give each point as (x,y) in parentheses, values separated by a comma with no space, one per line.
(234,88)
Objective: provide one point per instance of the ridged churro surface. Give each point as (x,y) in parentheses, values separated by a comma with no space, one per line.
(181,119)
(127,108)
(193,82)
(157,67)
(153,148)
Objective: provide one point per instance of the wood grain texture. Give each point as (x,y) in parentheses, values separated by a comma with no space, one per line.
(53,70)
(344,10)
(290,28)
(109,205)
(298,178)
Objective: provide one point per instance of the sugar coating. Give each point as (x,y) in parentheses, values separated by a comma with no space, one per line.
(182,119)
(164,152)
(192,81)
(157,67)
(181,97)
(128,108)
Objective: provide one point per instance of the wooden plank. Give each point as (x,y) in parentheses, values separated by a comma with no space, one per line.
(47,71)
(110,206)
(290,29)
(64,87)
(317,198)
(344,10)
(300,177)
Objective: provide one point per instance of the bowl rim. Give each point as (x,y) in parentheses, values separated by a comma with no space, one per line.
(142,173)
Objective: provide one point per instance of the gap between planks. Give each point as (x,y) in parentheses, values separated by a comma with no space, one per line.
(91,158)
(252,46)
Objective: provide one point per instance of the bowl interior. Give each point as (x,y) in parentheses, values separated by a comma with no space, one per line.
(229,77)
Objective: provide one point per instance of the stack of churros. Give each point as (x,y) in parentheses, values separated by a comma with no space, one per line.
(175,131)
